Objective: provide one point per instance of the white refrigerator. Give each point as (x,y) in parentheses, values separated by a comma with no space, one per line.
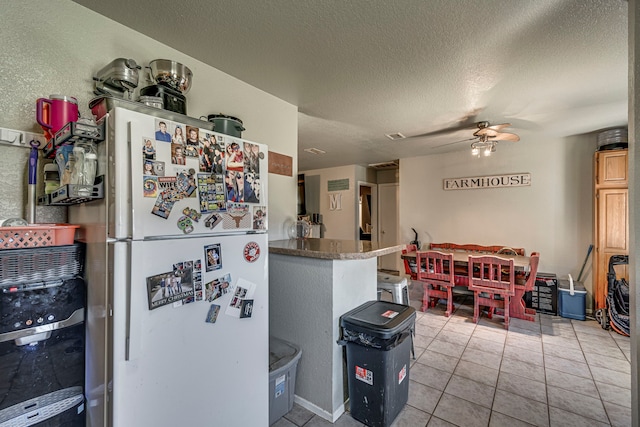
(177,310)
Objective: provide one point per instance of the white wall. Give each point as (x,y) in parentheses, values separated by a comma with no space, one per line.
(56,46)
(552,216)
(339,224)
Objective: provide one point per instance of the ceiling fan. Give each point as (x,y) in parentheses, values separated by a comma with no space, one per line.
(486,138)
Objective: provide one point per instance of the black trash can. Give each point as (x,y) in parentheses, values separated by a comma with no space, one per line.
(378,337)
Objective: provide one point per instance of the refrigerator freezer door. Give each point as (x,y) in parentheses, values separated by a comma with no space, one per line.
(213,184)
(172,365)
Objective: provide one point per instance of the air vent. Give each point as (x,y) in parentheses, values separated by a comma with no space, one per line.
(385,165)
(394,136)
(314,151)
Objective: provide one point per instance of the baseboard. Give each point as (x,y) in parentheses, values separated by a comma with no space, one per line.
(318,410)
(390,272)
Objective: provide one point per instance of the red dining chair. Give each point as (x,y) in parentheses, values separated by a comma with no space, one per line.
(491,276)
(410,266)
(518,307)
(437,278)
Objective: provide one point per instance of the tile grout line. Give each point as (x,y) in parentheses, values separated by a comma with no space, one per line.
(591,373)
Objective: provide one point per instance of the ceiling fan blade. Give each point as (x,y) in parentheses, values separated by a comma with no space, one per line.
(455,142)
(444,131)
(467,122)
(492,130)
(499,127)
(505,136)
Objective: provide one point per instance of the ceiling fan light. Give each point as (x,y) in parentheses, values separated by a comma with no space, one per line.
(487,151)
(475,151)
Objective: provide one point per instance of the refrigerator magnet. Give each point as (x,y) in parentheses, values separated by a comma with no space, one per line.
(218,287)
(259,217)
(148,148)
(150,186)
(192,213)
(212,220)
(243,291)
(212,315)
(185,224)
(251,251)
(246,308)
(213,255)
(162,207)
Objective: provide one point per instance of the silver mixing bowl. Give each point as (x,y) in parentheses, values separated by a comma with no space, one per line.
(172,73)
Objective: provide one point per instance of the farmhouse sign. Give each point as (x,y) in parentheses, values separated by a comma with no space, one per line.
(493,181)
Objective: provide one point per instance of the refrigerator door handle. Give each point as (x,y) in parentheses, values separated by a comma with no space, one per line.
(127,342)
(120,280)
(41,332)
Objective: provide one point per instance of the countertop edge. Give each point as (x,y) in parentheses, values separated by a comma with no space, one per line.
(336,255)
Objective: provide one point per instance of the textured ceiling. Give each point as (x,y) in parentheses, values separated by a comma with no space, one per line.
(360,69)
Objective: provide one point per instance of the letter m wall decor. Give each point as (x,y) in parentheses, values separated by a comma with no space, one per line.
(335,201)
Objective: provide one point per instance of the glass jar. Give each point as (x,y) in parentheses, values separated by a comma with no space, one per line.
(84,171)
(298,229)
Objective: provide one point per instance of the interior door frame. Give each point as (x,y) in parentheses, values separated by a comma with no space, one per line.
(397,225)
(373,206)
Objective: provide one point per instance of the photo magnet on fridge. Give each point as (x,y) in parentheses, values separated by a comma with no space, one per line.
(148,148)
(259,217)
(167,288)
(243,291)
(213,255)
(162,132)
(218,287)
(212,315)
(246,308)
(162,207)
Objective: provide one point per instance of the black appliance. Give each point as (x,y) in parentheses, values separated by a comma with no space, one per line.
(173,99)
(42,339)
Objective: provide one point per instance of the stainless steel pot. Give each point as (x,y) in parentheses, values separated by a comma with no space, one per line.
(172,73)
(226,124)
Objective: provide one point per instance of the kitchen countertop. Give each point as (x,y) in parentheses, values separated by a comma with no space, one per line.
(331,248)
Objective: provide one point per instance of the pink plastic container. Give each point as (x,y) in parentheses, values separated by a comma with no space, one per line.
(54,112)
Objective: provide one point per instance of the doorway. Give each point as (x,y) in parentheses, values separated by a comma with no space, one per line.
(367,211)
(388,224)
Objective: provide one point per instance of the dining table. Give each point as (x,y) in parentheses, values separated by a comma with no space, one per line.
(517,308)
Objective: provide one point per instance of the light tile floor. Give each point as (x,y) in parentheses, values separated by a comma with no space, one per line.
(551,372)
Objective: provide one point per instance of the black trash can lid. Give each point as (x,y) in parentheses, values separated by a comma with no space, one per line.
(380,319)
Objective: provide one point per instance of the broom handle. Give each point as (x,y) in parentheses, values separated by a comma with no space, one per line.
(585,262)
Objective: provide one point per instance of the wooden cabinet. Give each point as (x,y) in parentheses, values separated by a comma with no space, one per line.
(611,217)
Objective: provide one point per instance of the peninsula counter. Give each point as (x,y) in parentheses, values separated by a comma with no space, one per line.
(312,282)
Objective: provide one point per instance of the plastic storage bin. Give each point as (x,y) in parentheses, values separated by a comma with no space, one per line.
(571,302)
(283,362)
(378,336)
(41,264)
(34,235)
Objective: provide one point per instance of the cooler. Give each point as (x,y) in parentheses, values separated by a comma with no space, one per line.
(572,299)
(378,336)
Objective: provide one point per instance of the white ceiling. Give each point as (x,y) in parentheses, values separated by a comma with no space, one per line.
(360,69)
